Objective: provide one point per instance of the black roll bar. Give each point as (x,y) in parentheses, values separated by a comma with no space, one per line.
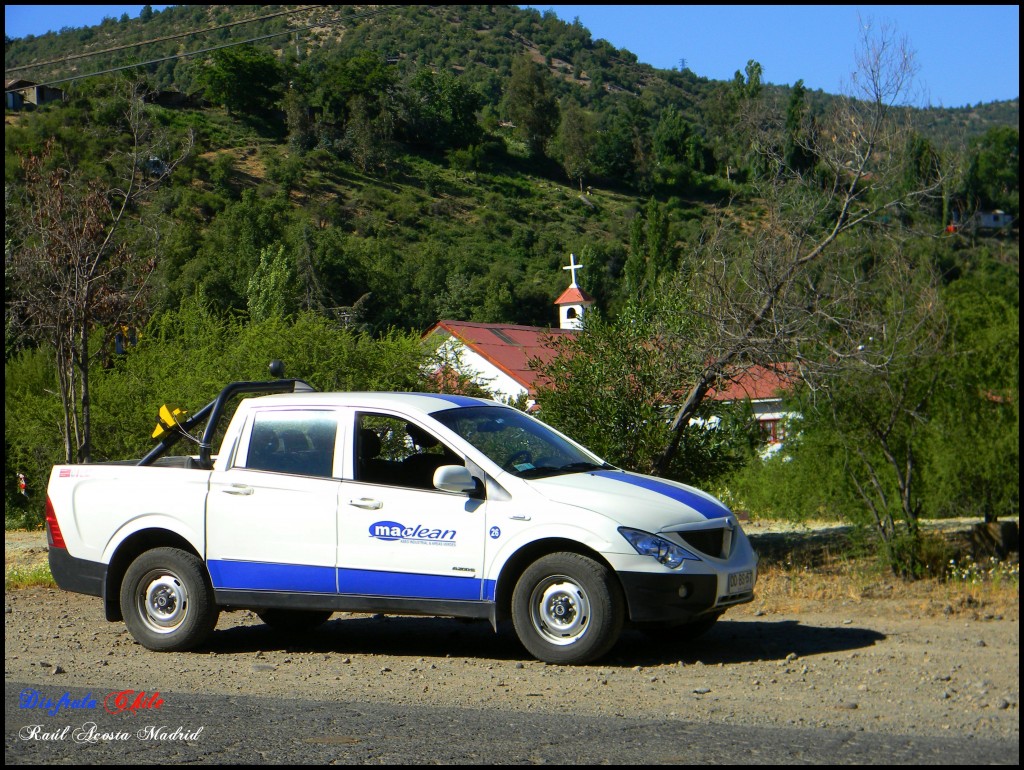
(212,413)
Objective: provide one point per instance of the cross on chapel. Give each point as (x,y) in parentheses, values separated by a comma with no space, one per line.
(573,267)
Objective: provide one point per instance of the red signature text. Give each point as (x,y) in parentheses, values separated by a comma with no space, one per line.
(131,701)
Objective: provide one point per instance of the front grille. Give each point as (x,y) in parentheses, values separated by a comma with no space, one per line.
(715,542)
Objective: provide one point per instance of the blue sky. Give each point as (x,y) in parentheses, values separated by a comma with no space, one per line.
(966,54)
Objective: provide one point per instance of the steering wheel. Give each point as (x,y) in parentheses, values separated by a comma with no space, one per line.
(522,454)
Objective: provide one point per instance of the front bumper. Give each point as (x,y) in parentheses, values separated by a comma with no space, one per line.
(659,598)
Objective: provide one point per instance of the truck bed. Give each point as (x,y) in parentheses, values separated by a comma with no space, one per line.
(190,462)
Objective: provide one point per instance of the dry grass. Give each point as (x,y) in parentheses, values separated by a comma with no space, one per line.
(28,577)
(822,566)
(992,589)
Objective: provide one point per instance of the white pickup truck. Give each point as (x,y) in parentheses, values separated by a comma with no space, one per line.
(401,503)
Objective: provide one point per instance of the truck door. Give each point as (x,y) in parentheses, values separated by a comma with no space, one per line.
(272,514)
(399,536)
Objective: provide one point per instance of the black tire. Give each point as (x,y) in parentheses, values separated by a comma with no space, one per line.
(680,632)
(567,608)
(294,621)
(167,601)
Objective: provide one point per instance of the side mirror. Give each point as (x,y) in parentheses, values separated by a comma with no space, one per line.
(454,478)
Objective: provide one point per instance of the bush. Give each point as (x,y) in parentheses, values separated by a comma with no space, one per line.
(32,442)
(185,357)
(803,481)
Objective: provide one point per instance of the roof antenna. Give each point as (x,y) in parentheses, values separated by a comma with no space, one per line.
(277,368)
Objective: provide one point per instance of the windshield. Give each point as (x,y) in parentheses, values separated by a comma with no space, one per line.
(519,444)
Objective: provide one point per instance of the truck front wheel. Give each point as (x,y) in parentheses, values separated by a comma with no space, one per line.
(567,608)
(166,600)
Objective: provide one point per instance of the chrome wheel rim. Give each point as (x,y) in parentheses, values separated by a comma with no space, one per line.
(162,601)
(560,610)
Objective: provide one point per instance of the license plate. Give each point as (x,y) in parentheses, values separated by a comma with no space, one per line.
(741,581)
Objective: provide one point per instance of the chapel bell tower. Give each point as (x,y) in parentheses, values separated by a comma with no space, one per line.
(573,302)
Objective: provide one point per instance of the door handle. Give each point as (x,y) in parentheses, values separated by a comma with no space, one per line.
(239,489)
(367,503)
(520,517)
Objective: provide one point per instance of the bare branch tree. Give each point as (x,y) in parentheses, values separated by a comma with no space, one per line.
(793,285)
(72,266)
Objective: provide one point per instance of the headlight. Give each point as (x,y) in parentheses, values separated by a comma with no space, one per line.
(665,551)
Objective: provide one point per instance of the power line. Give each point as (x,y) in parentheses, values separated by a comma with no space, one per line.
(64,59)
(321,23)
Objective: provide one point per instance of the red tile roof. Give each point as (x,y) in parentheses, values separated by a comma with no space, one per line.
(508,347)
(756,383)
(511,348)
(574,295)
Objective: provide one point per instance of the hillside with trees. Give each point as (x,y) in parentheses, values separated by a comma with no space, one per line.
(321,184)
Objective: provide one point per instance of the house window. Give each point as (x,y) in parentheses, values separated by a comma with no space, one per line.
(773,431)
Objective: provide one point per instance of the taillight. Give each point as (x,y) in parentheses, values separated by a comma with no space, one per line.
(53,535)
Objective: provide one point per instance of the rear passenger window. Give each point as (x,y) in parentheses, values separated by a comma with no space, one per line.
(301,443)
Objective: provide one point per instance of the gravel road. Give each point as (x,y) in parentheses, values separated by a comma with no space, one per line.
(912,667)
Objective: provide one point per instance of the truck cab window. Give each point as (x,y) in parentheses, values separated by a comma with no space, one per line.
(300,443)
(390,450)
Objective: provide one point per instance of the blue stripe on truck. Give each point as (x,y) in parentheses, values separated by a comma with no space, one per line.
(268,576)
(457,400)
(300,578)
(710,509)
(407,585)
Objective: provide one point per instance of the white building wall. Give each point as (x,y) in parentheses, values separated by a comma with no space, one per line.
(481,371)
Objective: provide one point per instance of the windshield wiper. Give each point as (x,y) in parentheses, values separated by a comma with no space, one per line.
(586,466)
(550,470)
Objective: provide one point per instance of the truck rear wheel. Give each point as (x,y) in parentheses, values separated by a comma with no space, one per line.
(567,608)
(166,600)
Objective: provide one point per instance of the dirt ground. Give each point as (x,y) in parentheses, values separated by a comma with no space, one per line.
(816,648)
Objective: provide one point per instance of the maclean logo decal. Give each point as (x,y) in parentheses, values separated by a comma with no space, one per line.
(392,531)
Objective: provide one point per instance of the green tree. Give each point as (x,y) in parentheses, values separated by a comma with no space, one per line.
(672,147)
(973,453)
(880,399)
(335,84)
(749,88)
(244,79)
(609,387)
(441,111)
(651,260)
(575,142)
(369,135)
(993,179)
(798,153)
(530,105)
(613,146)
(229,252)
(269,289)
(298,116)
(730,115)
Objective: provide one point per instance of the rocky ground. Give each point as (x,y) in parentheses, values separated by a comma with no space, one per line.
(813,650)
